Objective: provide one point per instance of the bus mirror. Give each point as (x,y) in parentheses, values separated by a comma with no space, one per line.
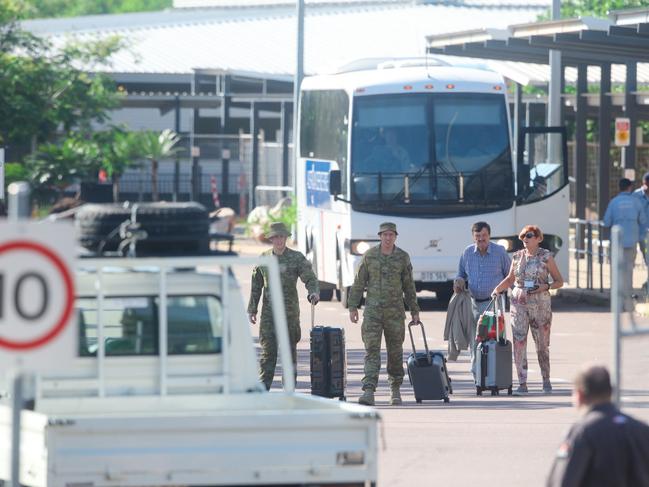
(335,182)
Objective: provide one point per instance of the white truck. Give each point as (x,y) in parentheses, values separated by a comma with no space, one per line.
(165,392)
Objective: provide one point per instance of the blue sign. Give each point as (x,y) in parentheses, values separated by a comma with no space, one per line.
(317,184)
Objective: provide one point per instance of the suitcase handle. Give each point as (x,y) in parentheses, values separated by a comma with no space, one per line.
(412,340)
(499,305)
(312,315)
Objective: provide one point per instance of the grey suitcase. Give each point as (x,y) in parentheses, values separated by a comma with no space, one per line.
(427,372)
(494,362)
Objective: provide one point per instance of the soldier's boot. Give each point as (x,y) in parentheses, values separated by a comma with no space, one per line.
(367,398)
(395,396)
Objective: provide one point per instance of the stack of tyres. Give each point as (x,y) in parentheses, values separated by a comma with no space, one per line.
(427,372)
(328,361)
(494,358)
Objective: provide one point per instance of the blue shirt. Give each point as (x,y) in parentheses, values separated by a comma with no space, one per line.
(644,199)
(484,272)
(626,211)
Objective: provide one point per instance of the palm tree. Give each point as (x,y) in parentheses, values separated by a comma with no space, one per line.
(120,150)
(156,147)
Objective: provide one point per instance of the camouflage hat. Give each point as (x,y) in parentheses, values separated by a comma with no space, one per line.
(278,228)
(388,227)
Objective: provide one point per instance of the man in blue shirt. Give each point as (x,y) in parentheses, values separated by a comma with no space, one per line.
(642,194)
(484,265)
(627,212)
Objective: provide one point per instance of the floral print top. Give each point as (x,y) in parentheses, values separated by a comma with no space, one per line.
(530,268)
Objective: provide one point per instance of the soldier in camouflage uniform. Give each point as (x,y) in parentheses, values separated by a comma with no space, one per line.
(385,271)
(292,264)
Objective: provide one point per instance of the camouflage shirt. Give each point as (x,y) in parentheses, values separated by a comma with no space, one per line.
(292,264)
(387,279)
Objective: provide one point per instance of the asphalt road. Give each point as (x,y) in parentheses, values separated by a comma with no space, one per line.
(501,440)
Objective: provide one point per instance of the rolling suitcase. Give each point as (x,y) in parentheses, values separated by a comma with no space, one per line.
(328,360)
(494,357)
(427,371)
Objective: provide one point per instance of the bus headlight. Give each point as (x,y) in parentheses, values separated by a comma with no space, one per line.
(506,243)
(359,247)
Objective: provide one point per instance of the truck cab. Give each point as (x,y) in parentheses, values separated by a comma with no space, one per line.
(164,391)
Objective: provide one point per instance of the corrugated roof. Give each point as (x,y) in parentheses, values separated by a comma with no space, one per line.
(254,3)
(263,40)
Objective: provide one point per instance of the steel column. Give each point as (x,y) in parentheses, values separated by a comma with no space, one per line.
(225,105)
(285,119)
(581,146)
(177,158)
(254,170)
(604,173)
(631,111)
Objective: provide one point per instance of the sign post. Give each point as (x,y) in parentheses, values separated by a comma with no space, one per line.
(623,140)
(37,331)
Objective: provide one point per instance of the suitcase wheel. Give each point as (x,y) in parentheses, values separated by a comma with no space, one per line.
(418,400)
(478,391)
(446,399)
(342,398)
(510,391)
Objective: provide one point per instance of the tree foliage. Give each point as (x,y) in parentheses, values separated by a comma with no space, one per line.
(56,166)
(157,146)
(72,8)
(594,8)
(48,92)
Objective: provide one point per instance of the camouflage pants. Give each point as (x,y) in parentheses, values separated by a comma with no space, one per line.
(394,330)
(537,316)
(268,343)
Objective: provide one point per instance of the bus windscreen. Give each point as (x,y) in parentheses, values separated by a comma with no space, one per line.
(431,153)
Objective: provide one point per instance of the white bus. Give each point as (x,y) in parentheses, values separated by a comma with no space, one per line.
(428,147)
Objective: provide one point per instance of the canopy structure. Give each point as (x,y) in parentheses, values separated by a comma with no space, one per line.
(583,42)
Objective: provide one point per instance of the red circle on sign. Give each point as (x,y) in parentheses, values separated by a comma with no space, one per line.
(69,294)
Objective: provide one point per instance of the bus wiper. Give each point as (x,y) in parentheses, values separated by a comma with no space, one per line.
(407,181)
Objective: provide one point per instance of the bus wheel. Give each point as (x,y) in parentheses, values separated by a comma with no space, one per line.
(444,294)
(341,296)
(341,291)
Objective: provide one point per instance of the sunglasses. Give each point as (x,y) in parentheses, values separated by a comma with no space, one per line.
(529,235)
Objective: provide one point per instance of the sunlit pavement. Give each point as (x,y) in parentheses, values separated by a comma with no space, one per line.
(501,440)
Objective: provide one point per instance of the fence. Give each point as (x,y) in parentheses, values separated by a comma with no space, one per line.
(587,246)
(228,158)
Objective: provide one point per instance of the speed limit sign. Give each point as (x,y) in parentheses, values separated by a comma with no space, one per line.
(36,296)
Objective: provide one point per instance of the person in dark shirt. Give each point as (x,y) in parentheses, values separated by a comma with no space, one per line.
(605,448)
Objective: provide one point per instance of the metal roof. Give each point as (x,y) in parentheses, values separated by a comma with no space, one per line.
(581,40)
(262,39)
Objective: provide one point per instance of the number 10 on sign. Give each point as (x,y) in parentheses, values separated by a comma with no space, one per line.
(36,295)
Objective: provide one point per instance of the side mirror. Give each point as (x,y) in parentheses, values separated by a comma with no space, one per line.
(335,182)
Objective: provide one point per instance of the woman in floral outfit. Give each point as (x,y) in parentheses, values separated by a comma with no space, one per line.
(530,274)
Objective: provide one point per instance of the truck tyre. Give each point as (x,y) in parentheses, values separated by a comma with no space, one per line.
(172,228)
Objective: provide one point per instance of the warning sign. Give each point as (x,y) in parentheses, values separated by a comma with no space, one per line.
(622,132)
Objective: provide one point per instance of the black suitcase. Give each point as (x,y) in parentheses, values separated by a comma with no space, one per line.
(328,361)
(427,371)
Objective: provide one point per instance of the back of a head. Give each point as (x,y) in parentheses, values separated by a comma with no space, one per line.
(625,184)
(594,382)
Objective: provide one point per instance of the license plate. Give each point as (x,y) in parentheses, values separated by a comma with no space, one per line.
(432,276)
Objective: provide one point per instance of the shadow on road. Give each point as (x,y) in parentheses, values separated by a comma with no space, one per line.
(464,392)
